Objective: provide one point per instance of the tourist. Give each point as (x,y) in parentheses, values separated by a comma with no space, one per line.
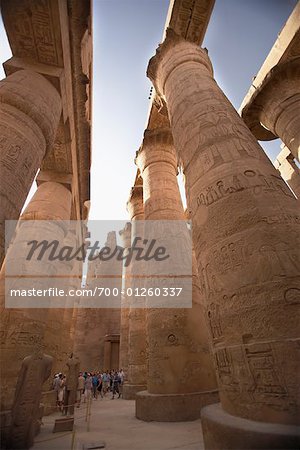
(105,382)
(95,384)
(55,385)
(88,385)
(61,391)
(100,385)
(80,388)
(121,377)
(115,385)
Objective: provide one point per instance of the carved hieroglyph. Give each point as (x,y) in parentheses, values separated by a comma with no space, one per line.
(247,249)
(137,326)
(23,329)
(179,358)
(30,110)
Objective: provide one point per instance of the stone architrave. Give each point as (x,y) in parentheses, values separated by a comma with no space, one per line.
(30,110)
(73,365)
(246,240)
(137,327)
(35,370)
(181,376)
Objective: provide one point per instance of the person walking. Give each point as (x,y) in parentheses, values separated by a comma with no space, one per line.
(88,385)
(105,383)
(95,382)
(80,388)
(115,385)
(61,392)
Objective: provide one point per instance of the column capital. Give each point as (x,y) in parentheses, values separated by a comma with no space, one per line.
(33,95)
(125,234)
(157,147)
(161,65)
(135,205)
(262,110)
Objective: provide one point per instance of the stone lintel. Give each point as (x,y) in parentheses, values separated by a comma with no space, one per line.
(112,338)
(283,54)
(285,48)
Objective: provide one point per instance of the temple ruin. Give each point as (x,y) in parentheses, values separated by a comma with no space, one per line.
(238,343)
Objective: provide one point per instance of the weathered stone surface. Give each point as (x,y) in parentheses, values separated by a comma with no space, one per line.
(179,358)
(137,317)
(23,329)
(223,431)
(30,111)
(125,307)
(137,337)
(249,271)
(35,370)
(73,365)
(271,104)
(288,169)
(54,39)
(275,105)
(172,407)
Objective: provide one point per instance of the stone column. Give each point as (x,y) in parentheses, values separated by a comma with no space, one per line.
(23,329)
(275,106)
(30,110)
(246,249)
(124,329)
(137,338)
(288,169)
(181,376)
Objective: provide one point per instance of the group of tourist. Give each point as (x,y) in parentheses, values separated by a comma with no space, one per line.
(90,385)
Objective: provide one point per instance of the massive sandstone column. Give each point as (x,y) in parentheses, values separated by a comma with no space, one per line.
(30,110)
(124,329)
(137,329)
(181,376)
(247,252)
(275,105)
(22,328)
(137,340)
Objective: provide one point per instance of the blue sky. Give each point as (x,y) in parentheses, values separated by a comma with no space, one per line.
(126,34)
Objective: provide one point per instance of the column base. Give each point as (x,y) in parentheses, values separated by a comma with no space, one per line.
(130,390)
(223,431)
(172,407)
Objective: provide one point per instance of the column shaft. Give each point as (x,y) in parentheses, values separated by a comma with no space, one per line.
(137,333)
(180,364)
(22,329)
(249,268)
